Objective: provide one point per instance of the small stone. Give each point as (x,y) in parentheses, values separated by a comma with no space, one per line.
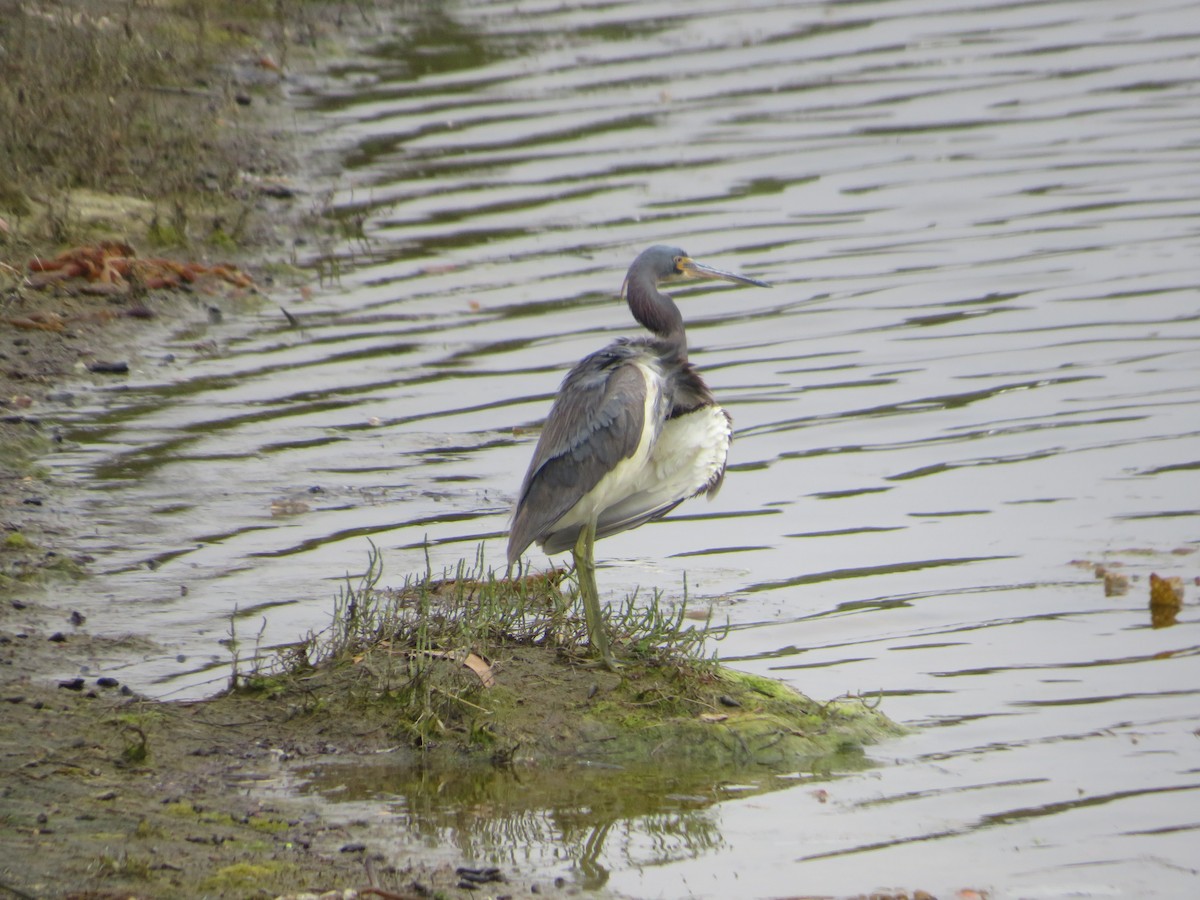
(106,682)
(355,847)
(75,684)
(77,618)
(277,191)
(58,638)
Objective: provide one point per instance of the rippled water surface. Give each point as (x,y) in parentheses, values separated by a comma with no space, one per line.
(978,370)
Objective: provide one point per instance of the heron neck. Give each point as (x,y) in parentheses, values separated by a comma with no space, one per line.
(659,314)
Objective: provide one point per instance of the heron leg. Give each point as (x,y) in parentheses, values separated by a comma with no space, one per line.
(585,568)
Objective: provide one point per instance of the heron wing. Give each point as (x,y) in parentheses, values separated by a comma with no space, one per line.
(596,421)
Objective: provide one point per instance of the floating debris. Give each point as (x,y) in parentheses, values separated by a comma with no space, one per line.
(1115,584)
(1166,599)
(288,507)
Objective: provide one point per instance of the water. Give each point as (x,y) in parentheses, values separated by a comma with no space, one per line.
(977,373)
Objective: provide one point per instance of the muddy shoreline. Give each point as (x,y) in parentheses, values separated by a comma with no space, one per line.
(104,793)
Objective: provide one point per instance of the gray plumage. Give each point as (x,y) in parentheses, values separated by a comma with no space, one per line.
(599,424)
(633,432)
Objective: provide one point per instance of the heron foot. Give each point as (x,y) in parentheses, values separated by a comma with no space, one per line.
(606,661)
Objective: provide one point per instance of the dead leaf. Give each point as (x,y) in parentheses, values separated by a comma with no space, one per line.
(480,667)
(473,661)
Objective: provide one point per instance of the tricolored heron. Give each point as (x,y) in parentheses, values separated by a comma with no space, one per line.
(633,432)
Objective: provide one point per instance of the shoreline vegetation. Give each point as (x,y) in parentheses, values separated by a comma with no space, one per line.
(144,137)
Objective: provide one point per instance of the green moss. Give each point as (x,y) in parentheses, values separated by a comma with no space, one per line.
(242,876)
(165,235)
(767,687)
(268,826)
(146,831)
(15,540)
(23,446)
(182,809)
(735,719)
(64,565)
(263,685)
(124,866)
(221,240)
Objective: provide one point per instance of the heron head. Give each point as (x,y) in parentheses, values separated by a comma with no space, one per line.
(662,265)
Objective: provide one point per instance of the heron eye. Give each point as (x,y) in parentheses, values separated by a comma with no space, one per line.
(676,261)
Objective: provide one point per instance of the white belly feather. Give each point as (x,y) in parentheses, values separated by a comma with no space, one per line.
(689,455)
(674,460)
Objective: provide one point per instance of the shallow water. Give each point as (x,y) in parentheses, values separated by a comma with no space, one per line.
(978,366)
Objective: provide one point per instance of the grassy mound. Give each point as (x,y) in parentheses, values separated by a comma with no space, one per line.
(496,669)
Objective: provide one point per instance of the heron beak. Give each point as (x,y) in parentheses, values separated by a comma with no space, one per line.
(689,268)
